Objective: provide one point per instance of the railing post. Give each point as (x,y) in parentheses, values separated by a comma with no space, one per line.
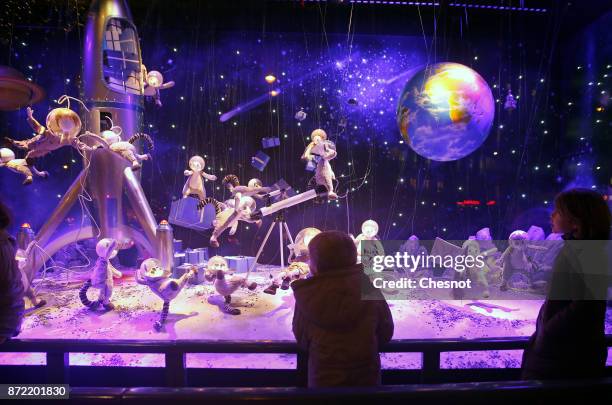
(58,368)
(302,368)
(176,371)
(430,365)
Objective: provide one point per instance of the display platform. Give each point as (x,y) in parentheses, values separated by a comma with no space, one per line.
(197,313)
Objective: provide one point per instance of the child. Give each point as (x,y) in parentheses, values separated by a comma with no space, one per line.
(340,331)
(569,340)
(11,286)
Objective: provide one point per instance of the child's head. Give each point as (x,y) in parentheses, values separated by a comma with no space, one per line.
(582,213)
(331,250)
(5,216)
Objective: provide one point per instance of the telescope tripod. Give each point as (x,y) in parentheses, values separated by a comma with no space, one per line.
(279,220)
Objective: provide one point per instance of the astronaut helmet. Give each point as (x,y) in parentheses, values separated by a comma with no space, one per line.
(105,248)
(6,155)
(112,136)
(518,238)
(318,135)
(217,263)
(64,122)
(155,78)
(255,183)
(471,247)
(151,269)
(369,228)
(299,247)
(197,163)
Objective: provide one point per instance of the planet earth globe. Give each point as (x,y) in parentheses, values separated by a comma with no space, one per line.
(445,111)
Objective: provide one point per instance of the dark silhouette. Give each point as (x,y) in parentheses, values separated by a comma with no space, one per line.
(11,285)
(569,341)
(340,331)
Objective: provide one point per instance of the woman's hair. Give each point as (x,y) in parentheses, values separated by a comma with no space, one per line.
(5,216)
(588,209)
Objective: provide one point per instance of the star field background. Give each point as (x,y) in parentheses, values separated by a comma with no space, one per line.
(345,67)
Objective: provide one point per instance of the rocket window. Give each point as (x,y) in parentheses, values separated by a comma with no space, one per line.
(120,57)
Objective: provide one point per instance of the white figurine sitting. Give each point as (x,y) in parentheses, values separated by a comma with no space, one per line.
(299,261)
(218,270)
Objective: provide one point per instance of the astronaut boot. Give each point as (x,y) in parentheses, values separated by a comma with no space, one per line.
(228,308)
(271,289)
(27,181)
(286,283)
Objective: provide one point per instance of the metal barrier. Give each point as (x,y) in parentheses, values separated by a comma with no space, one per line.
(58,350)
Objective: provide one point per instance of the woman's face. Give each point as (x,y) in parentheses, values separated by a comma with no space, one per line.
(560,222)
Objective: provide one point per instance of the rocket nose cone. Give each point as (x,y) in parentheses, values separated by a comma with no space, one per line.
(109,8)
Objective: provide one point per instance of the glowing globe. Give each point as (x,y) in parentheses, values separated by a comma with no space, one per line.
(445,111)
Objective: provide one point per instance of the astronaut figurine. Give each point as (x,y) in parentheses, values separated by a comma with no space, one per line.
(298,262)
(152,274)
(239,207)
(102,276)
(153,82)
(369,232)
(7,159)
(471,248)
(514,257)
(126,149)
(224,285)
(63,127)
(322,151)
(195,184)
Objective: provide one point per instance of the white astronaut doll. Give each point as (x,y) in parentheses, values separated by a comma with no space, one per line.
(219,270)
(322,151)
(126,149)
(63,127)
(515,259)
(153,82)
(478,273)
(369,232)
(298,261)
(102,276)
(239,207)
(195,184)
(7,159)
(152,274)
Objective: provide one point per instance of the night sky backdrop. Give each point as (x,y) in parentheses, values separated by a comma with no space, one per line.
(345,67)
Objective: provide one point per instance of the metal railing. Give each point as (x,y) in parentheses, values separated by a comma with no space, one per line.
(58,350)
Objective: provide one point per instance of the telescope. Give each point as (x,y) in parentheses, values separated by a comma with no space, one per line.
(319,191)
